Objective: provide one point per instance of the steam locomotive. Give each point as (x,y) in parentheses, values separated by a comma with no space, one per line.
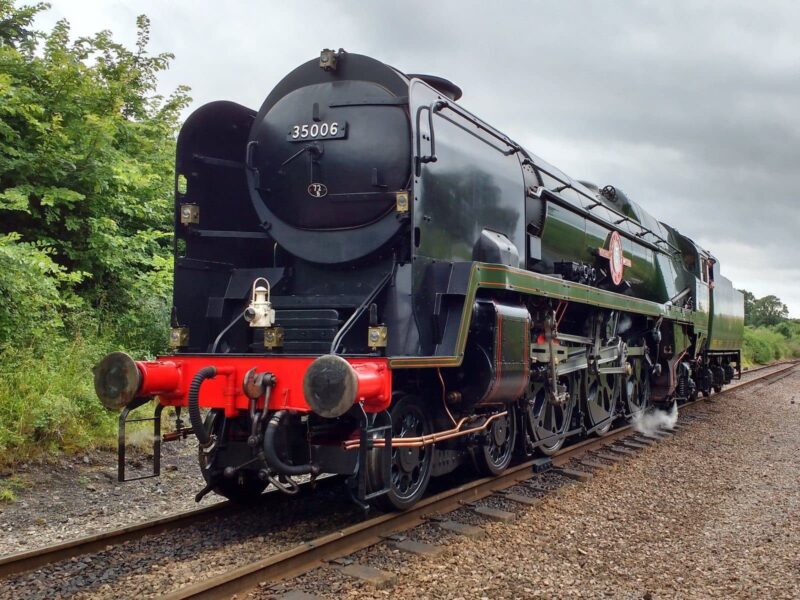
(373,282)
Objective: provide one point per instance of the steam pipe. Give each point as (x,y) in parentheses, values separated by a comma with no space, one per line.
(271,455)
(431,438)
(195,417)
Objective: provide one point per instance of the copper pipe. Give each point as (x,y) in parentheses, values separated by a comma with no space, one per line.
(431,438)
(443,435)
(563,312)
(444,393)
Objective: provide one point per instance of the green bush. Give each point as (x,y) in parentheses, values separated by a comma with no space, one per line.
(763,345)
(47,398)
(30,288)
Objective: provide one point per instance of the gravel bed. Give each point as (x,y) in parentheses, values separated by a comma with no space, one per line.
(329,582)
(324,582)
(609,463)
(550,480)
(499,502)
(576,465)
(73,497)
(524,490)
(431,533)
(693,418)
(715,514)
(157,564)
(466,516)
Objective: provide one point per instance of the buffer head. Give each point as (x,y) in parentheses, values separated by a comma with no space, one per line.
(116,380)
(330,386)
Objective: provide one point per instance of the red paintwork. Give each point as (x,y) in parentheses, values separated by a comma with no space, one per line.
(158,377)
(169,378)
(615,251)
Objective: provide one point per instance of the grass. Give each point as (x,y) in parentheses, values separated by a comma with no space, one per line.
(9,488)
(47,400)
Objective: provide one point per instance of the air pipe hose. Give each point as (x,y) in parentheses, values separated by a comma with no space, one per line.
(203,437)
(270,454)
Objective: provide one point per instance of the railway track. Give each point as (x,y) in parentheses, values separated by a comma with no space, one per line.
(33,559)
(29,560)
(317,552)
(310,555)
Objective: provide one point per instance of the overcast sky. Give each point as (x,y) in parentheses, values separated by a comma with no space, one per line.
(692,108)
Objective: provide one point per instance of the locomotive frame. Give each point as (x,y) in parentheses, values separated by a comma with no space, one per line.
(413,293)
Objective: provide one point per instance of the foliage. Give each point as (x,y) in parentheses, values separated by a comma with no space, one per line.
(763,345)
(47,400)
(768,310)
(9,488)
(86,174)
(86,156)
(768,334)
(749,301)
(15,26)
(30,283)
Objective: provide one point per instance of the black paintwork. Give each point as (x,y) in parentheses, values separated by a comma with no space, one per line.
(474,195)
(324,220)
(362,172)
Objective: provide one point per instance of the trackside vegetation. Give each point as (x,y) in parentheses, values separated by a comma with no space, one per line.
(86,174)
(763,345)
(87,148)
(768,335)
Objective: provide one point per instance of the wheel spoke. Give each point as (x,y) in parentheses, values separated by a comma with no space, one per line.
(410,467)
(497,448)
(551,420)
(602,404)
(637,389)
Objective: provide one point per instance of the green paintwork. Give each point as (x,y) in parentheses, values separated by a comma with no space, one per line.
(563,236)
(489,276)
(468,189)
(656,273)
(680,339)
(727,320)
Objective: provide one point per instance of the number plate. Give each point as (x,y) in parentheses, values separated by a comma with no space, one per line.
(324,130)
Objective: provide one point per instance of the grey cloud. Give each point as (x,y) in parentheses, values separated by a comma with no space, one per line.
(690,107)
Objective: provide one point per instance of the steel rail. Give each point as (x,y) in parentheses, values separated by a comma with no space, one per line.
(315,553)
(32,559)
(776,377)
(769,366)
(29,560)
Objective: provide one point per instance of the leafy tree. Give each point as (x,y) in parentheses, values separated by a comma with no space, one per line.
(15,26)
(86,173)
(86,165)
(749,301)
(788,329)
(769,310)
(765,311)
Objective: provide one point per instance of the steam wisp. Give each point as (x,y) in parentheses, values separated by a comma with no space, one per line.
(624,324)
(651,420)
(141,437)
